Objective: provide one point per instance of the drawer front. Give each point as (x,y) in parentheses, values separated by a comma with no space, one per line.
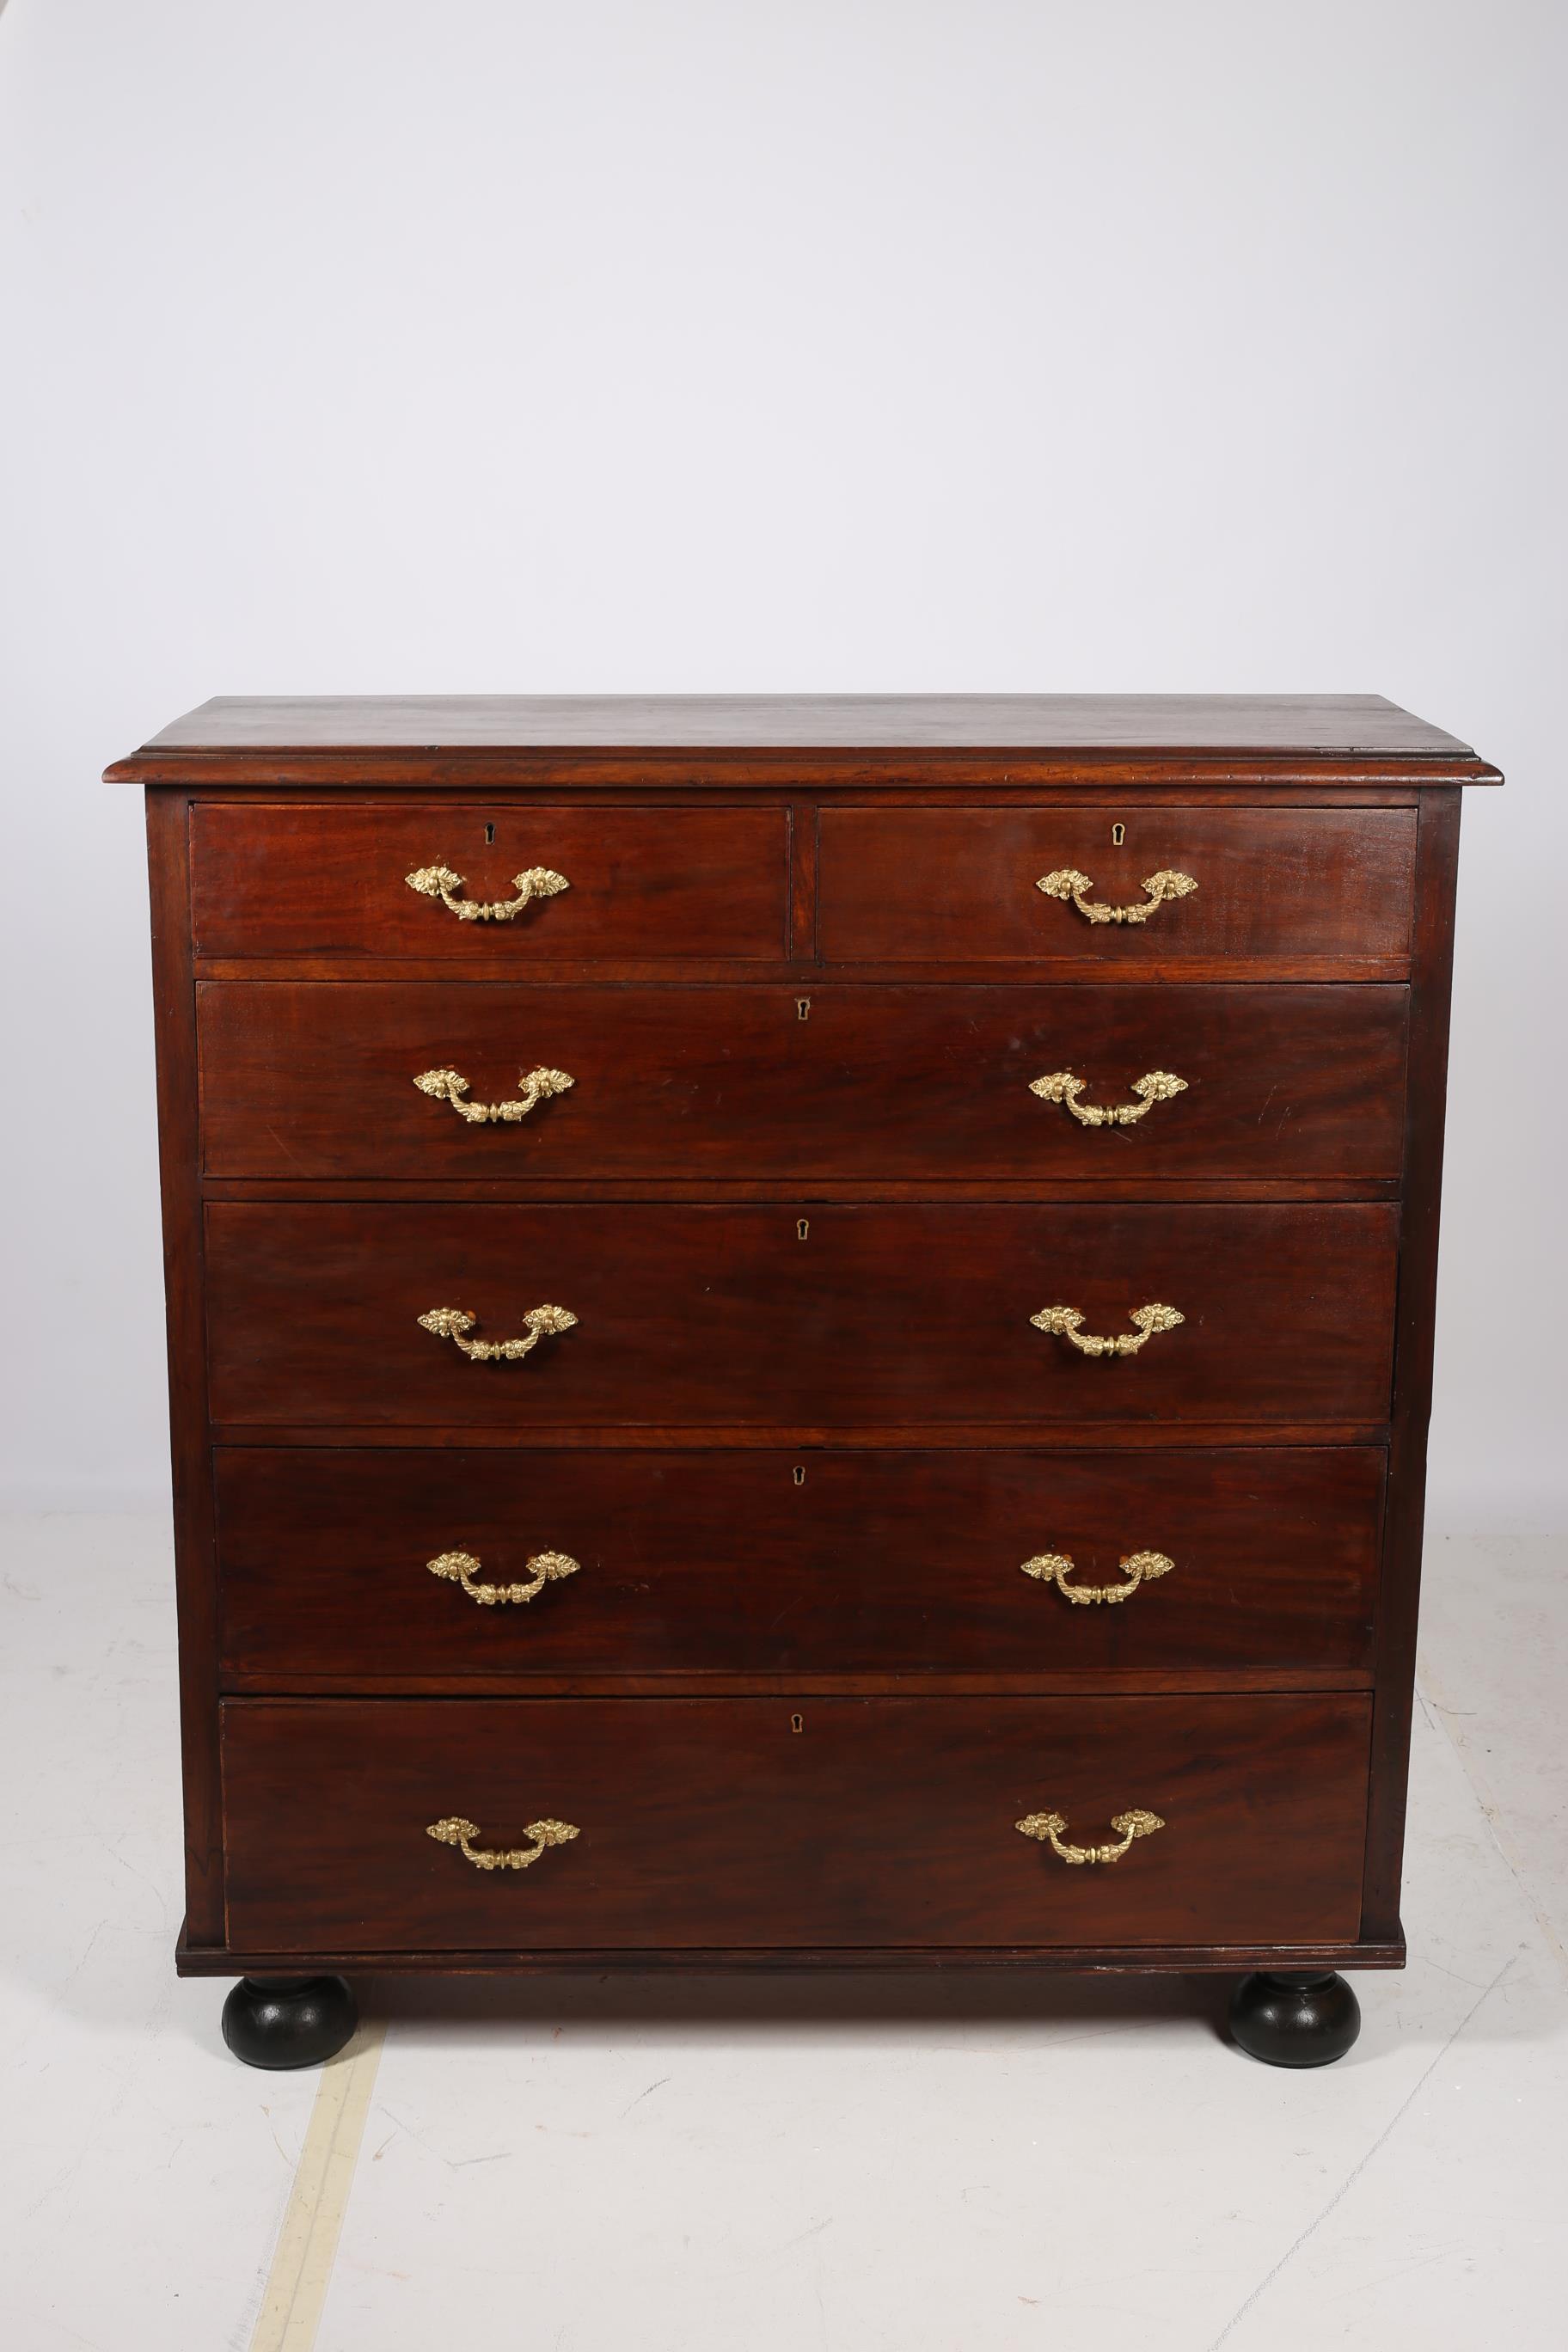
(716,1823)
(758,1561)
(642,882)
(961,885)
(320,1080)
(878,1316)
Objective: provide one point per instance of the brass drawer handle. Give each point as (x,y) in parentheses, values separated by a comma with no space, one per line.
(457,1831)
(1065,1321)
(538,1086)
(1048,1828)
(440,882)
(462,1567)
(1069,883)
(1055,1566)
(1062,1087)
(451,1322)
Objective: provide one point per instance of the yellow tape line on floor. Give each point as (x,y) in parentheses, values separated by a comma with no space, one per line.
(308,2242)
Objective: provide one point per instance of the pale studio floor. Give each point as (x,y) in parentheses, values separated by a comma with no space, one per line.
(956,2166)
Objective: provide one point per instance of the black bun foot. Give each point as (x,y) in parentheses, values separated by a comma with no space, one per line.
(281,2022)
(1294,2020)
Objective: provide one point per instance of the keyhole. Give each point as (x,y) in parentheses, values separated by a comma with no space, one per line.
(489,835)
(799,1475)
(1119,835)
(801,1227)
(803,1008)
(797,1723)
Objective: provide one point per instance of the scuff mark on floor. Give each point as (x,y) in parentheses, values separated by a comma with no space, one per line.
(646,2094)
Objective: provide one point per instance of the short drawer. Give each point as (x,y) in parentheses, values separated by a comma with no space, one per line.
(429,1565)
(319,1079)
(820,1822)
(1287,887)
(833,1317)
(367,880)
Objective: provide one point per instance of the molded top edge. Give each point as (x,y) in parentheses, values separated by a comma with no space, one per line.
(1048,725)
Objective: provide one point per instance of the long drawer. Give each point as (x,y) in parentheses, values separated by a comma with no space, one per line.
(1290,886)
(558,882)
(323,1080)
(757,1317)
(389,1564)
(756,1823)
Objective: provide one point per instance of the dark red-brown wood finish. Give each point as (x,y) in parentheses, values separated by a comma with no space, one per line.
(179,1147)
(838,1822)
(923,1082)
(949,885)
(666,882)
(754,1316)
(1175,730)
(842,1565)
(795,1684)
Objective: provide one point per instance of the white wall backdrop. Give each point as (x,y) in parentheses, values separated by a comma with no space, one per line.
(360,345)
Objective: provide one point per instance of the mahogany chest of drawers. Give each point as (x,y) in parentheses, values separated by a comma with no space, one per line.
(800,1331)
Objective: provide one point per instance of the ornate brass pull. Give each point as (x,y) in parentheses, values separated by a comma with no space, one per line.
(457,1831)
(462,1567)
(1069,883)
(1062,1087)
(440,882)
(1055,1566)
(1049,1827)
(538,1086)
(451,1323)
(1065,1321)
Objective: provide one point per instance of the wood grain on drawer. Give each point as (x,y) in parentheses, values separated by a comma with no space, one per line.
(715,1821)
(961,885)
(315,1079)
(759,1561)
(643,882)
(725,1315)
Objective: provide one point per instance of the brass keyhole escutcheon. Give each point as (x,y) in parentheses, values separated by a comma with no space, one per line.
(799,1475)
(797,1723)
(489,836)
(803,1008)
(801,1227)
(1118,834)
